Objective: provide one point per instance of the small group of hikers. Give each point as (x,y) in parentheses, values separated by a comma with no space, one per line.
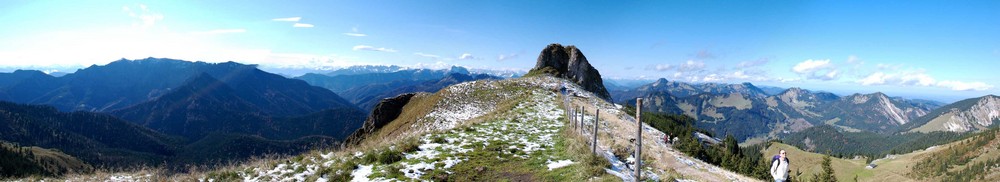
(779,167)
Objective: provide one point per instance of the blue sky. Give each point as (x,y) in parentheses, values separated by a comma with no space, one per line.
(921,49)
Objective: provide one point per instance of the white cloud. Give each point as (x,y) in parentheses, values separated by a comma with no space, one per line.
(852,59)
(964,86)
(147,17)
(426,55)
(370,48)
(290,19)
(503,57)
(691,66)
(810,66)
(302,25)
(916,78)
(465,56)
(436,65)
(697,71)
(220,31)
(354,33)
(919,78)
(786,80)
(908,78)
(877,78)
(831,75)
(660,67)
(817,70)
(713,78)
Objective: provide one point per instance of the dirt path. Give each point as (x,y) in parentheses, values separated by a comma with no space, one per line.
(617,128)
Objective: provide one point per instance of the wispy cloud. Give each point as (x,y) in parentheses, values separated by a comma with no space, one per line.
(817,70)
(965,86)
(704,54)
(660,67)
(302,25)
(467,56)
(426,55)
(220,31)
(691,66)
(370,48)
(503,57)
(354,33)
(290,19)
(754,63)
(919,78)
(144,15)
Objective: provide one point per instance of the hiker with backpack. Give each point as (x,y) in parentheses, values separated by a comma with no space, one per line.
(779,167)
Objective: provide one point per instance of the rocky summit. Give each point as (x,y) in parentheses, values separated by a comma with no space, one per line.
(568,62)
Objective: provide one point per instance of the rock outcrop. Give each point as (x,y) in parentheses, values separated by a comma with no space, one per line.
(975,114)
(383,113)
(568,62)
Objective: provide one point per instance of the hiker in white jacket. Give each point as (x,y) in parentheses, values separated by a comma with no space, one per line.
(779,167)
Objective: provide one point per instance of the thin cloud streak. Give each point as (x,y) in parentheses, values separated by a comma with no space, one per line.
(303,25)
(289,19)
(370,48)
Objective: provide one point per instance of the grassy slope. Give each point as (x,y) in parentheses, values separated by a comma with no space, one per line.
(808,163)
(936,124)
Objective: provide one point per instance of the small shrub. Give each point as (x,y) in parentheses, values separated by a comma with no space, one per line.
(225,176)
(395,172)
(438,139)
(390,156)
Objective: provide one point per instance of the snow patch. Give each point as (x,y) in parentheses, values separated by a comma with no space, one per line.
(361,174)
(559,164)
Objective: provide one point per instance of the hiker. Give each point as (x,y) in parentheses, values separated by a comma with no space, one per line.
(779,167)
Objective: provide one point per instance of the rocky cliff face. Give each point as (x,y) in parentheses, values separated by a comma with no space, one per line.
(382,114)
(568,62)
(963,116)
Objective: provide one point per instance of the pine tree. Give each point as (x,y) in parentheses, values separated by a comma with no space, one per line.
(827,174)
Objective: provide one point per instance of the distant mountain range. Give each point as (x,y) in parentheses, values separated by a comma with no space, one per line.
(747,111)
(173,112)
(338,81)
(365,86)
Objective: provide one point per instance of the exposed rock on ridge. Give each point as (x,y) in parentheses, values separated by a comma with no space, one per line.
(568,62)
(383,113)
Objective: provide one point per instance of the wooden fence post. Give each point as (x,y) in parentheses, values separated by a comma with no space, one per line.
(638,139)
(580,123)
(597,119)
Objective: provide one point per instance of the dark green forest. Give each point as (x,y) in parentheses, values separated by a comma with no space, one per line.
(961,155)
(18,162)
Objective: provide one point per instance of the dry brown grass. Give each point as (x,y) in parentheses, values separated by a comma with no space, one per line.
(615,132)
